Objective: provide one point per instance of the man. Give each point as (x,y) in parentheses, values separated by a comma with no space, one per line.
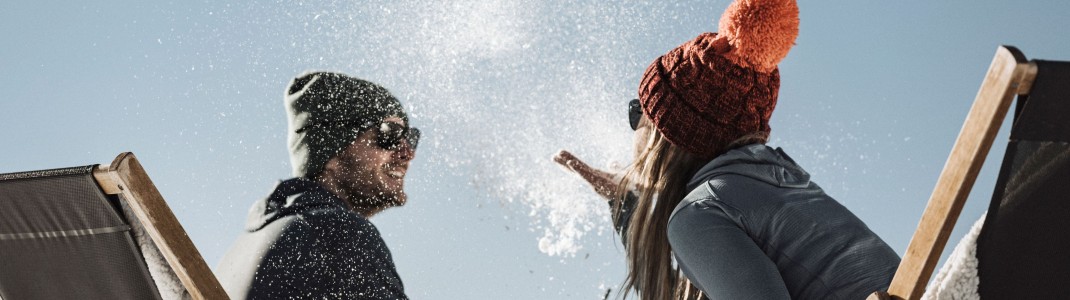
(350,146)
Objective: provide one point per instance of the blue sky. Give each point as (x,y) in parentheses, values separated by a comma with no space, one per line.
(872,98)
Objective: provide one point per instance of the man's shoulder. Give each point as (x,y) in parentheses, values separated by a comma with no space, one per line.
(326,252)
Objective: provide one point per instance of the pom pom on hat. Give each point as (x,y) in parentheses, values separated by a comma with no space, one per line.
(760,32)
(718,87)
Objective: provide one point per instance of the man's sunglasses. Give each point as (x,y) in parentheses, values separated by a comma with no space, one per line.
(391,134)
(635,113)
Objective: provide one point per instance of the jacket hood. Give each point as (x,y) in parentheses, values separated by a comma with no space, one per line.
(290,197)
(756,161)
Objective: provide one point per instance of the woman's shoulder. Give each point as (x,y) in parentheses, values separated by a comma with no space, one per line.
(699,210)
(726,190)
(702,200)
(731,197)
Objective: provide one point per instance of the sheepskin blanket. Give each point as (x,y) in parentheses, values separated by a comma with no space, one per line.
(167,282)
(958,279)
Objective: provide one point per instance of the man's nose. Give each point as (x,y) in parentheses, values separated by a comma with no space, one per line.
(405,151)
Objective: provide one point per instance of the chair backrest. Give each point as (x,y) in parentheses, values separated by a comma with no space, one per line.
(1023,250)
(1022,245)
(62,238)
(95,232)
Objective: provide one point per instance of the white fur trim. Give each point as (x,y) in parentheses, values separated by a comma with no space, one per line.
(167,282)
(958,278)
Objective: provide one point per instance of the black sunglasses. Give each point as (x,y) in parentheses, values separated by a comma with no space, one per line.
(391,134)
(635,113)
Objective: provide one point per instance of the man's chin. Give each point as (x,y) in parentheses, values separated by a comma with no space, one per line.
(393,199)
(400,200)
(383,200)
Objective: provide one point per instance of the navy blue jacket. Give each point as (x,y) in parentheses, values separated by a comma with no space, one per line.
(302,242)
(755,227)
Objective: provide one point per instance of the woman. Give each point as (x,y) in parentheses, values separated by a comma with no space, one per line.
(741,220)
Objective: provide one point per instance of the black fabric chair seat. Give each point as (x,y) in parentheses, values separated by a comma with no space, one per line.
(61,237)
(1024,247)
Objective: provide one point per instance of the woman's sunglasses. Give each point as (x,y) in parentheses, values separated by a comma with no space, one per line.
(391,134)
(635,113)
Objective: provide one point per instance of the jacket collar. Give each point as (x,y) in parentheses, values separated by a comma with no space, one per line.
(291,196)
(757,161)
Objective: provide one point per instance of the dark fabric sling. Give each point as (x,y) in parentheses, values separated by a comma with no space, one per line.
(61,237)
(1024,246)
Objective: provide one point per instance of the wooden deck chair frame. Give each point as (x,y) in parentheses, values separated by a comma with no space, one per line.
(1009,75)
(127,178)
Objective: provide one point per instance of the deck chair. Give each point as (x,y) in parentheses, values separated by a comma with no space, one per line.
(95,232)
(1022,248)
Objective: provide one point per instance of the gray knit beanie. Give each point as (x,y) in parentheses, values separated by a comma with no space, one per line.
(327,111)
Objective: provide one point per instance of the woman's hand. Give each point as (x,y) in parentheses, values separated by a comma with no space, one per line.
(603,182)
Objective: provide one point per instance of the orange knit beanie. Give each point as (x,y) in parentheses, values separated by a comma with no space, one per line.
(718,87)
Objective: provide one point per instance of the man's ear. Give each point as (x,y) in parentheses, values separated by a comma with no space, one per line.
(331,163)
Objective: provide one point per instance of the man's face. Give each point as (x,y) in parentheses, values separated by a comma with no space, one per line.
(369,177)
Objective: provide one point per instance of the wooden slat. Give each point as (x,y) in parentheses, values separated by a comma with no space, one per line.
(106,180)
(1007,74)
(160,223)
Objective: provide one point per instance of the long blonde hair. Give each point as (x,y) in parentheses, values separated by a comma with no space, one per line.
(662,171)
